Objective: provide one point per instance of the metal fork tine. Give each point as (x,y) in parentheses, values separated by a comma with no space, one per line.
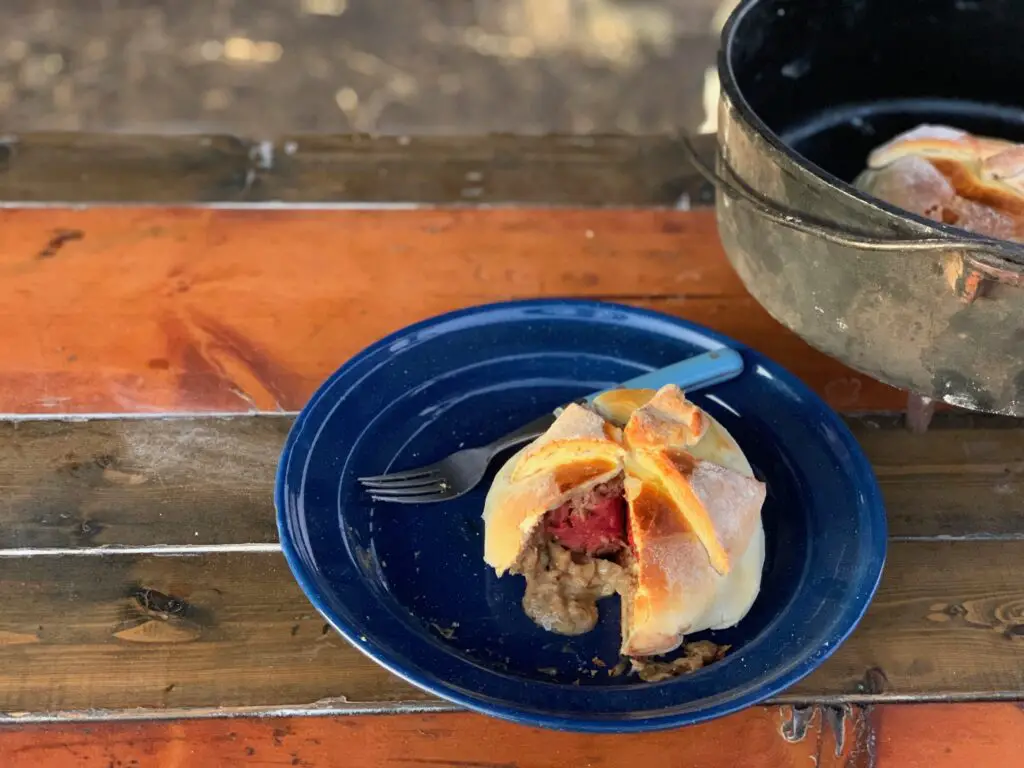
(424,498)
(405,475)
(419,490)
(388,482)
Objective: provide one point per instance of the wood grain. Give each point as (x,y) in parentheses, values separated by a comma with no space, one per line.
(227,631)
(907,736)
(131,632)
(963,478)
(130,310)
(447,740)
(79,167)
(937,736)
(139,482)
(155,310)
(531,170)
(947,622)
(464,170)
(209,481)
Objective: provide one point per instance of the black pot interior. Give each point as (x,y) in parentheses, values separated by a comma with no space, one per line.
(835,79)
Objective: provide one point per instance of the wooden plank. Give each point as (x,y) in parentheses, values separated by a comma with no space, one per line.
(889,736)
(945,624)
(230,631)
(126,632)
(188,481)
(139,482)
(943,736)
(752,739)
(964,478)
(156,310)
(82,167)
(462,170)
(549,170)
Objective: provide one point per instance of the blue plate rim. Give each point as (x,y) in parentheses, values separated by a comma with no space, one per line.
(757,694)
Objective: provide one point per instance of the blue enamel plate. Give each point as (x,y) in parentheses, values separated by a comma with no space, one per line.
(407,585)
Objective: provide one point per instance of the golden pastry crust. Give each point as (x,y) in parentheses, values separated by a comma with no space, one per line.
(578,452)
(667,420)
(952,176)
(578,435)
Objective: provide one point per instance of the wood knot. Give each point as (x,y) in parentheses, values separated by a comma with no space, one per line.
(943,612)
(57,241)
(164,619)
(87,530)
(875,682)
(105,460)
(1014,632)
(157,602)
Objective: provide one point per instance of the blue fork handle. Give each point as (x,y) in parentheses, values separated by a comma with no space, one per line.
(691,374)
(694,373)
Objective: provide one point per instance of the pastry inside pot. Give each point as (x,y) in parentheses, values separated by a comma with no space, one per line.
(642,495)
(954,177)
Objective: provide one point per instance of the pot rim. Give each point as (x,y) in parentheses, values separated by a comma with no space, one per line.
(731,89)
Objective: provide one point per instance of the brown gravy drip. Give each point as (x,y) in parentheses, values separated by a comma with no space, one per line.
(562,587)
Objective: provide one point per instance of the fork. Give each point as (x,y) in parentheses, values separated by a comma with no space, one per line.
(459,473)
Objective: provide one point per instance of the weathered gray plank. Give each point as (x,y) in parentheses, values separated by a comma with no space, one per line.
(480,170)
(946,623)
(75,167)
(963,478)
(124,632)
(559,170)
(228,631)
(185,481)
(137,482)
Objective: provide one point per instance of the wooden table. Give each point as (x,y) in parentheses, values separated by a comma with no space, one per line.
(154,355)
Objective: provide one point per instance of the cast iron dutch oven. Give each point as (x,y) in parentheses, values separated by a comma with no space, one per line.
(809,88)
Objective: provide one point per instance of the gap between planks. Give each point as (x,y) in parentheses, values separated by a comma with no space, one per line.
(166,550)
(334,707)
(194,550)
(73,418)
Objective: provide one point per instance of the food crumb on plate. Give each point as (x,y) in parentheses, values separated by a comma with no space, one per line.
(447,633)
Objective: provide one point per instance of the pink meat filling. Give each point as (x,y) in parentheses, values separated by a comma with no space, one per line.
(593,523)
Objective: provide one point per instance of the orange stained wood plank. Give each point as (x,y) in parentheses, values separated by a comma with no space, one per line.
(950,736)
(751,739)
(889,736)
(157,309)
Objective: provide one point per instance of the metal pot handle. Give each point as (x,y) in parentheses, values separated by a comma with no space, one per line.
(993,253)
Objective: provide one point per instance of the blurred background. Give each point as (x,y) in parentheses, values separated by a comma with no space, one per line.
(261,68)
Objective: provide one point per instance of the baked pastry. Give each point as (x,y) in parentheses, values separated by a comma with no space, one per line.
(642,494)
(951,176)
